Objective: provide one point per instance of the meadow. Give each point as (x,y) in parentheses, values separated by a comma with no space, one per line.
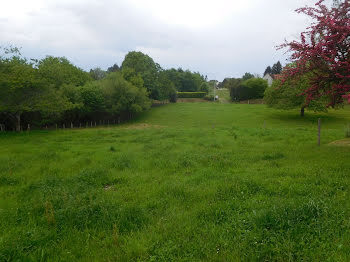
(182,182)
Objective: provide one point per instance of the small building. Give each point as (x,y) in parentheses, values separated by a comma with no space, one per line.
(270,78)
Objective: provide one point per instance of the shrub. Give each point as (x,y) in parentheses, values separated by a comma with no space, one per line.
(173,97)
(209,97)
(250,89)
(191,94)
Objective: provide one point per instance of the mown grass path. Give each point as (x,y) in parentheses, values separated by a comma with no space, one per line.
(183,182)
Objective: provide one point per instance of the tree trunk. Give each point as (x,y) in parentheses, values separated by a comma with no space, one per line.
(18,122)
(302,111)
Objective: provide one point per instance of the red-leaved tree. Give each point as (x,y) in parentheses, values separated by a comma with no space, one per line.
(323,52)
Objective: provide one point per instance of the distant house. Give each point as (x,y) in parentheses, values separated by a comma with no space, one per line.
(270,78)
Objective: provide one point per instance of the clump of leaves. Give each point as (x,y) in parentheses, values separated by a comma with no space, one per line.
(112,149)
(234,135)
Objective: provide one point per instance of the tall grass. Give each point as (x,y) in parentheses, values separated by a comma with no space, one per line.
(199,182)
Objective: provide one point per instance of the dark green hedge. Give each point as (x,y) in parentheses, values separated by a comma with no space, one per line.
(191,94)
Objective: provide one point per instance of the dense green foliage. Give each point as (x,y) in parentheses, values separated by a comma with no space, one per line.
(186,81)
(289,96)
(252,88)
(247,76)
(144,65)
(26,87)
(163,84)
(122,97)
(228,83)
(167,88)
(58,71)
(53,91)
(184,182)
(97,73)
(191,94)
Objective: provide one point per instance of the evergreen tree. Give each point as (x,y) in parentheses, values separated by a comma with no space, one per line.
(268,70)
(247,76)
(113,68)
(276,68)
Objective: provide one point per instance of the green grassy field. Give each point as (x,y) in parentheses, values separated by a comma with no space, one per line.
(183,182)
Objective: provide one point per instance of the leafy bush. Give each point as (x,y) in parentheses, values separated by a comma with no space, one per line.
(121,96)
(250,89)
(289,95)
(209,97)
(191,94)
(173,97)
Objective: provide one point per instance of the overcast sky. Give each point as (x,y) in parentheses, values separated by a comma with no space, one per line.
(219,38)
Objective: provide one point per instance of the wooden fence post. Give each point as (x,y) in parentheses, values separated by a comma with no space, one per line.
(319,132)
(64,126)
(28,128)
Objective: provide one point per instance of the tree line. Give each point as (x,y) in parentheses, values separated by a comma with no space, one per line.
(53,91)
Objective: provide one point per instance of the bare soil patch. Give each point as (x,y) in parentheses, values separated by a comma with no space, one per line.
(343,142)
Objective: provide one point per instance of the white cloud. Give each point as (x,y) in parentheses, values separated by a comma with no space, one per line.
(218,38)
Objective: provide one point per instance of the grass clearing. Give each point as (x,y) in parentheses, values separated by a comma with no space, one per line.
(224,95)
(192,182)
